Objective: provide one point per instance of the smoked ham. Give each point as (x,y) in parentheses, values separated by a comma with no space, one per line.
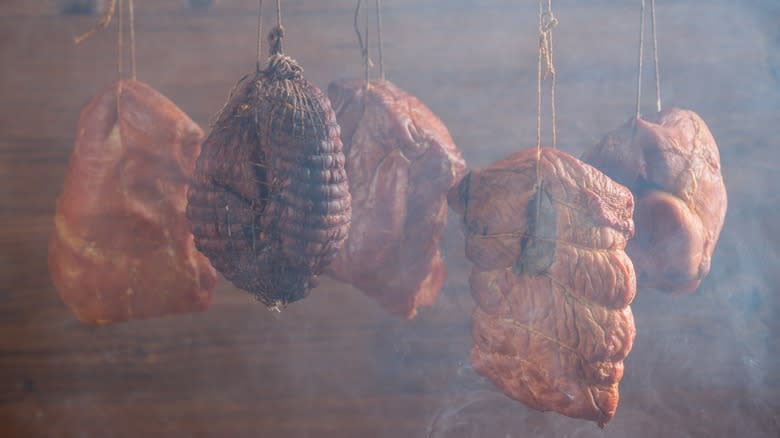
(551,280)
(401,161)
(672,165)
(122,247)
(269,203)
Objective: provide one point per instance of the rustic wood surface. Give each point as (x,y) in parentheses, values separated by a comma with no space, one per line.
(335,365)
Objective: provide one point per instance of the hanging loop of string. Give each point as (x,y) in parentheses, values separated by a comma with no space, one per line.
(258,65)
(362,45)
(379,39)
(655,57)
(120,44)
(547,23)
(641,58)
(363,49)
(103,23)
(119,70)
(277,33)
(640,61)
(131,10)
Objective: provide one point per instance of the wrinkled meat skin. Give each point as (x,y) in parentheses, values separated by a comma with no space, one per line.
(401,161)
(552,334)
(121,248)
(270,203)
(672,165)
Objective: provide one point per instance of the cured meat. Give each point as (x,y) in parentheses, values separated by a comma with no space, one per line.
(672,165)
(401,161)
(121,247)
(551,280)
(270,203)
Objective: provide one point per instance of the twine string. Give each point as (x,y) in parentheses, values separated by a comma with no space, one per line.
(120,43)
(131,10)
(641,56)
(545,69)
(655,57)
(277,33)
(379,39)
(102,23)
(367,59)
(640,60)
(362,45)
(258,65)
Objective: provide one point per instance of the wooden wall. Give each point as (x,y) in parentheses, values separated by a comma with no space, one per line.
(335,365)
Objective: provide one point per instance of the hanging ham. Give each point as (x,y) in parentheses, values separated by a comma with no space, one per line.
(672,165)
(122,247)
(552,283)
(270,204)
(401,161)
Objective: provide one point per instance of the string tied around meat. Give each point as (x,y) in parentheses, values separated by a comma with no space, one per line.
(283,67)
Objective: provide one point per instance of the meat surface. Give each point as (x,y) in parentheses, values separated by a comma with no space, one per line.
(401,161)
(672,165)
(122,247)
(551,280)
(269,203)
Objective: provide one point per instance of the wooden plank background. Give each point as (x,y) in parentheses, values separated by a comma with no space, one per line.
(335,365)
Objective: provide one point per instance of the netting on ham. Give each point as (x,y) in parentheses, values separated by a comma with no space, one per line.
(270,204)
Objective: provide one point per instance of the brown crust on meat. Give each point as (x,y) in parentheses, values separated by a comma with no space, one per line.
(270,203)
(401,161)
(671,163)
(121,247)
(551,281)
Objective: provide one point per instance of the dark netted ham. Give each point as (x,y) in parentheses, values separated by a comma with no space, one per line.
(270,203)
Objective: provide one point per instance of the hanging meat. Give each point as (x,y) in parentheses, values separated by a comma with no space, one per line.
(270,203)
(121,247)
(672,165)
(551,280)
(401,161)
